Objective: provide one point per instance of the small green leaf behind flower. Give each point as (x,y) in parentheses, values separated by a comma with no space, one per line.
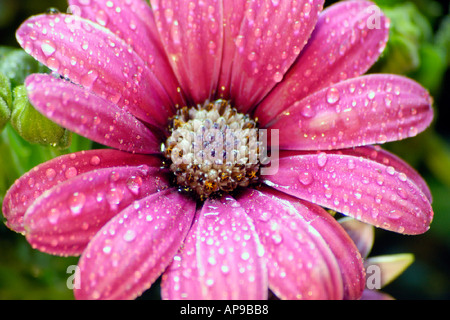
(5,100)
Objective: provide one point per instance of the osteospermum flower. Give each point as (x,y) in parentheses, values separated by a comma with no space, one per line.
(135,78)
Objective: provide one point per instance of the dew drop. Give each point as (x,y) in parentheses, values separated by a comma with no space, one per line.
(395,214)
(48,48)
(50,173)
(307,9)
(134,184)
(305,178)
(225,269)
(264,216)
(76,202)
(53,64)
(402,176)
(129,236)
(277,77)
(322,159)
(71,172)
(307,111)
(89,78)
(277,238)
(390,170)
(95,161)
(53,216)
(333,95)
(114,196)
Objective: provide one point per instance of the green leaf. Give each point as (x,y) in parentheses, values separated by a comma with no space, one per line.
(443,37)
(5,100)
(432,67)
(33,126)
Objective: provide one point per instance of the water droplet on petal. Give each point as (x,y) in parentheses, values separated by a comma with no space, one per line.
(71,172)
(95,161)
(129,236)
(48,48)
(322,159)
(305,178)
(50,173)
(53,216)
(333,95)
(89,78)
(278,77)
(134,184)
(390,170)
(76,202)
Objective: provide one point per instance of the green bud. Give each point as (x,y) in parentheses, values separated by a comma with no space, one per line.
(16,65)
(33,126)
(5,100)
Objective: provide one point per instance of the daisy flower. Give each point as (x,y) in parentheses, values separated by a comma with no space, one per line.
(177,90)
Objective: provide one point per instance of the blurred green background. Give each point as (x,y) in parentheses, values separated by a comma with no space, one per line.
(419,47)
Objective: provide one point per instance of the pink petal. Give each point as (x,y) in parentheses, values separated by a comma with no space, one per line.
(379,155)
(227,254)
(87,114)
(366,190)
(63,219)
(341,244)
(362,234)
(268,40)
(299,261)
(361,111)
(344,45)
(375,295)
(132,250)
(51,173)
(97,59)
(233,14)
(181,280)
(229,274)
(134,23)
(191,32)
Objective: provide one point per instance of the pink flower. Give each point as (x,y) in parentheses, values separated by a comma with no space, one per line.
(218,230)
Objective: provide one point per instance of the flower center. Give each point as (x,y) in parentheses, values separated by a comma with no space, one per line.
(212,148)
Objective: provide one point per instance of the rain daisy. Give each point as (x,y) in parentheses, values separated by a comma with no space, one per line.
(177,91)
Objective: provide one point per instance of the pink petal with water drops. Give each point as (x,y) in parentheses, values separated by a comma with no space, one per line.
(134,248)
(87,114)
(133,22)
(357,187)
(63,219)
(192,34)
(228,252)
(344,249)
(99,60)
(376,153)
(181,280)
(271,36)
(45,176)
(300,263)
(348,38)
(233,14)
(366,110)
